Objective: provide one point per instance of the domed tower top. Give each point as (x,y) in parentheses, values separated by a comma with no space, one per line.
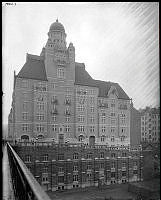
(56,36)
(57,26)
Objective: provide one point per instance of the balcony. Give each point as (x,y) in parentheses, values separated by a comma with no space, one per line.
(19,183)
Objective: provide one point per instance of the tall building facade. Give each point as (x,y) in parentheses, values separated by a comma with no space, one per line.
(54,98)
(150,125)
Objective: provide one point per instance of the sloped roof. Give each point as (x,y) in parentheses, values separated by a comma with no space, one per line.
(34,68)
(83,78)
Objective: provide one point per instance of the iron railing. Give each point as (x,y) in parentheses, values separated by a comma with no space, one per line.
(24,184)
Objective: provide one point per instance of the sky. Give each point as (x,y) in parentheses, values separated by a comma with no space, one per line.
(117,41)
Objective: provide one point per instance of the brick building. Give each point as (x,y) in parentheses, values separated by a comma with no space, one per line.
(54,98)
(66,166)
(150,125)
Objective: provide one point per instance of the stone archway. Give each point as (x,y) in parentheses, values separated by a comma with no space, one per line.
(25,137)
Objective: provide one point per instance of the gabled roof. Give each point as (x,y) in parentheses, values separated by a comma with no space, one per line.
(83,78)
(34,68)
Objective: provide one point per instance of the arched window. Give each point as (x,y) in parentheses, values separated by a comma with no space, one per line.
(25,137)
(81,138)
(40,137)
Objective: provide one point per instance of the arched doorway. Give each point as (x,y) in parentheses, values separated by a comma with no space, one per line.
(25,138)
(92,140)
(40,137)
(81,138)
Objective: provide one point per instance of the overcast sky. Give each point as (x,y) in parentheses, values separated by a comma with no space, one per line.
(118,42)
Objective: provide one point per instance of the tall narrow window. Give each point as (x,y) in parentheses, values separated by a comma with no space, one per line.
(61,73)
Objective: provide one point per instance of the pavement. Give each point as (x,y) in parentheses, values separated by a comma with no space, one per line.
(8,193)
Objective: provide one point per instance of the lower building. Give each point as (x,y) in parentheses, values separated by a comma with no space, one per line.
(150,125)
(67,166)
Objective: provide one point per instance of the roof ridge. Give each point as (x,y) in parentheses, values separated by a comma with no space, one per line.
(34,57)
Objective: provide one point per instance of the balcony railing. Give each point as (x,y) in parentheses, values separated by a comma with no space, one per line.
(24,184)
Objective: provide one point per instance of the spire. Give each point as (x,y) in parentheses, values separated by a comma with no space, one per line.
(57,20)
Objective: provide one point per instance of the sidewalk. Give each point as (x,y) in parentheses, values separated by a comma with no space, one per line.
(8,193)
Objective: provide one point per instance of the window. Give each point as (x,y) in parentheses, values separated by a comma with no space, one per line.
(113,165)
(123,173)
(75,156)
(89,155)
(92,109)
(67,128)
(89,167)
(54,118)
(44,177)
(112,105)
(135,172)
(24,105)
(75,177)
(102,138)
(67,118)
(122,138)
(67,100)
(24,84)
(135,163)
(61,73)
(24,127)
(60,179)
(122,130)
(113,174)
(113,121)
(60,156)
(103,129)
(89,176)
(40,105)
(112,129)
(81,129)
(81,108)
(91,100)
(103,119)
(81,137)
(123,164)
(75,168)
(124,154)
(60,169)
(102,155)
(112,114)
(112,139)
(40,116)
(54,127)
(91,129)
(101,166)
(81,118)
(39,128)
(45,157)
(92,119)
(27,158)
(25,115)
(45,169)
(113,155)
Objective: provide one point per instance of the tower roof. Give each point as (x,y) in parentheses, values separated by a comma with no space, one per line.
(57,26)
